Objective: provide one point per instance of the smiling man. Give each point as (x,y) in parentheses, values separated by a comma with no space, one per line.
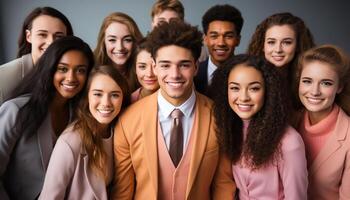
(165,144)
(222,25)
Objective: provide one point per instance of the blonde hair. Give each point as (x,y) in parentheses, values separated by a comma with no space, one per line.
(339,61)
(101,53)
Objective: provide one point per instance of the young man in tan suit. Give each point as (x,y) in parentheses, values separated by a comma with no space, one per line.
(158,157)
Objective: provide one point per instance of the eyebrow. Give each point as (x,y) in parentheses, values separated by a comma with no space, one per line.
(66,64)
(99,90)
(325,79)
(181,61)
(45,31)
(251,83)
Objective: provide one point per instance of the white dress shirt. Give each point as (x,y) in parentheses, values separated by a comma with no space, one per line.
(164,110)
(211,68)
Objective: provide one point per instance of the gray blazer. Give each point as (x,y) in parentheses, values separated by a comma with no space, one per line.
(12,73)
(23,158)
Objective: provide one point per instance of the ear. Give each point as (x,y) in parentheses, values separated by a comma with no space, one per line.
(205,39)
(196,66)
(340,89)
(28,36)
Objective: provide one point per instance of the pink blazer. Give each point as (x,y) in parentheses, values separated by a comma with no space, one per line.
(329,174)
(68,175)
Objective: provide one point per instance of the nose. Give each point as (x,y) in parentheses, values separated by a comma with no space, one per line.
(119,45)
(175,71)
(71,75)
(49,39)
(278,47)
(221,40)
(244,96)
(149,71)
(106,100)
(315,90)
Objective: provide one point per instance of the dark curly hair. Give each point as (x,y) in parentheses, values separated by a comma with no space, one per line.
(223,13)
(176,33)
(267,126)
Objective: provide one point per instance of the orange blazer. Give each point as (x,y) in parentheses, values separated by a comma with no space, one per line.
(136,160)
(329,174)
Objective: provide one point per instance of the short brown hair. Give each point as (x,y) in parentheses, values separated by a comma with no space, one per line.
(174,5)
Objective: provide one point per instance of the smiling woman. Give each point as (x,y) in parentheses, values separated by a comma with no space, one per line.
(81,164)
(116,44)
(268,156)
(40,110)
(40,28)
(323,77)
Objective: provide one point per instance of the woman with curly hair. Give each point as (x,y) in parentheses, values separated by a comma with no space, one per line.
(81,164)
(281,38)
(324,91)
(116,45)
(268,156)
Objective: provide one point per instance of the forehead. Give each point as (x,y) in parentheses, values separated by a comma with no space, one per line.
(221,26)
(104,82)
(243,74)
(46,22)
(319,70)
(74,57)
(143,55)
(280,31)
(167,14)
(173,53)
(116,28)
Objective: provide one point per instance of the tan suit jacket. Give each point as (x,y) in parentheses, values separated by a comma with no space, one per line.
(135,149)
(329,174)
(12,73)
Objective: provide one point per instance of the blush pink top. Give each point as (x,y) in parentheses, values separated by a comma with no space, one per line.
(286,179)
(315,136)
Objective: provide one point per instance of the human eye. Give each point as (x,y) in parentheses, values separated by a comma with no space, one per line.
(327,83)
(287,42)
(271,42)
(255,88)
(97,94)
(306,81)
(62,69)
(115,95)
(185,65)
(58,36)
(42,35)
(230,35)
(111,40)
(234,88)
(164,66)
(141,66)
(81,70)
(213,36)
(128,39)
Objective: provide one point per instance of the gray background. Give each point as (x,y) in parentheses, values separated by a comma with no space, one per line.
(328,20)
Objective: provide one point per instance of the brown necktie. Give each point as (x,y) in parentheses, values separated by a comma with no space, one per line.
(176,137)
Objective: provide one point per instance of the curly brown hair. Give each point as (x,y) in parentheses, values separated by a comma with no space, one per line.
(336,58)
(176,33)
(174,5)
(267,126)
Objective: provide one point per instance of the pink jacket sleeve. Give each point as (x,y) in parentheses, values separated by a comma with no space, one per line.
(293,166)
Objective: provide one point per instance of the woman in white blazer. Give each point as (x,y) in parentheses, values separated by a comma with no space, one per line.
(81,164)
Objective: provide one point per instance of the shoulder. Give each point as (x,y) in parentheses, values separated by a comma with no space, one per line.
(13,63)
(204,63)
(70,138)
(15,104)
(291,140)
(203,100)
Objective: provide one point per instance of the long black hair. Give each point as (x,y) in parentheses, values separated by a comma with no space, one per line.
(39,82)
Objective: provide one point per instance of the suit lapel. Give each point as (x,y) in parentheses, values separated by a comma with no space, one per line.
(203,117)
(334,142)
(45,141)
(149,119)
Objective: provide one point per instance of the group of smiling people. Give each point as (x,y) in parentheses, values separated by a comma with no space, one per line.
(161,117)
